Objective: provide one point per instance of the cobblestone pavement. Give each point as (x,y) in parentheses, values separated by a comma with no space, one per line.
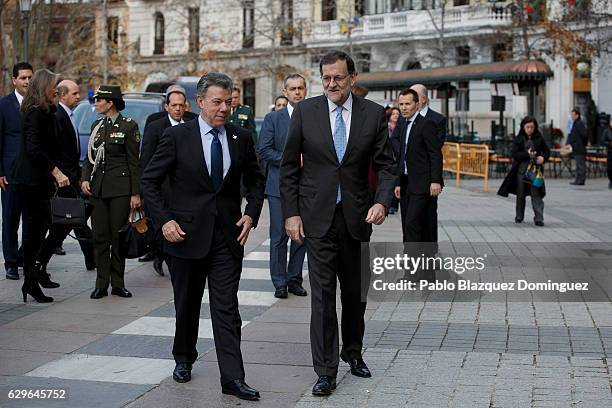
(427,353)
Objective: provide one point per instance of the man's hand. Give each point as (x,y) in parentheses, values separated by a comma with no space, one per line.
(246,222)
(295,228)
(3,183)
(397,192)
(376,214)
(173,232)
(60,178)
(85,187)
(134,202)
(540,160)
(435,189)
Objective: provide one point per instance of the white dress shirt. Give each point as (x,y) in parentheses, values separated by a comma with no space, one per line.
(19,97)
(207,139)
(289,109)
(346,115)
(174,122)
(408,128)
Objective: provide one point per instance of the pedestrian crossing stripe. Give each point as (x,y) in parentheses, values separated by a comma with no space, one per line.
(127,370)
(164,326)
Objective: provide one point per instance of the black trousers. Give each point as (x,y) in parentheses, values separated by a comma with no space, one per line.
(580,168)
(537,202)
(13,209)
(189,276)
(58,233)
(335,255)
(431,223)
(108,216)
(416,219)
(38,218)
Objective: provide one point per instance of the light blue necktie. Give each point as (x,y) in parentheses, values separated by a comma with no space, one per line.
(339,141)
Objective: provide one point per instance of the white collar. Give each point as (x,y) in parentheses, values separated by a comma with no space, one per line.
(289,109)
(19,97)
(67,109)
(424,110)
(348,104)
(174,122)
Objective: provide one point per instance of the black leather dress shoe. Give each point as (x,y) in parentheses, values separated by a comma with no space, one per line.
(98,293)
(59,250)
(122,292)
(240,389)
(297,290)
(358,366)
(573,183)
(12,273)
(326,384)
(158,266)
(149,256)
(182,372)
(539,223)
(281,293)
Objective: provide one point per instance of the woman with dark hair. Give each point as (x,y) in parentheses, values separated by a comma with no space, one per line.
(111,177)
(529,146)
(37,175)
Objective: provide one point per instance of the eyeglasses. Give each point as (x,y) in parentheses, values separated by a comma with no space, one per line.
(337,79)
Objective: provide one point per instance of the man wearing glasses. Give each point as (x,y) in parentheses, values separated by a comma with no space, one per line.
(326,202)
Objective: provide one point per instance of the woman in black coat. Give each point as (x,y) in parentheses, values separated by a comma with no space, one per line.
(37,176)
(528,145)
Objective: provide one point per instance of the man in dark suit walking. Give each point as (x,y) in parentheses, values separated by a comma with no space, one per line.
(431,229)
(419,167)
(176,100)
(10,146)
(187,115)
(326,200)
(578,139)
(203,225)
(270,149)
(69,148)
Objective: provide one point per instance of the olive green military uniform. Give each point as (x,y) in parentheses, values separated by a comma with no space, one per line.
(243,116)
(112,184)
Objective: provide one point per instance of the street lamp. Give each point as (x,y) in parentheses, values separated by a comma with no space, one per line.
(26,6)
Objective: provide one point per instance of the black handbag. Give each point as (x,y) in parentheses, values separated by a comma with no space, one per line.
(136,236)
(68,211)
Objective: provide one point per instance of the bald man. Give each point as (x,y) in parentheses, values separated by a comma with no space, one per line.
(68,162)
(431,229)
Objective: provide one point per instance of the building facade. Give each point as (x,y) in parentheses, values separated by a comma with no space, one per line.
(258,41)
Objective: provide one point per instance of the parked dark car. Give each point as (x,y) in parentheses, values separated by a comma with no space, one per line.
(138,106)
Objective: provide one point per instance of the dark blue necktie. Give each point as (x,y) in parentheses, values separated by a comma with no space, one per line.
(216,160)
(405,166)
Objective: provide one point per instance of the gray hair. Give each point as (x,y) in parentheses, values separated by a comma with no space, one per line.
(213,79)
(293,75)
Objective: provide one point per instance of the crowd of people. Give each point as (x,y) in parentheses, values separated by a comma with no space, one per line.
(331,166)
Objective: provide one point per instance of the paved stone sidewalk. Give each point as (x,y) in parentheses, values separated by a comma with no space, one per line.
(431,353)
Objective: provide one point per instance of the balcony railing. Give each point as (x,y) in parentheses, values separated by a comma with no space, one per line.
(413,22)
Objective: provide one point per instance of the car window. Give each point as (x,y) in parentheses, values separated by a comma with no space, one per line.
(85,114)
(190,88)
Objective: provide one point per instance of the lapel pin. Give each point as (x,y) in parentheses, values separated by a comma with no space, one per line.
(234,137)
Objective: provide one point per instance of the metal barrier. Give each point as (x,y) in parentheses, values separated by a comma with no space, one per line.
(466,159)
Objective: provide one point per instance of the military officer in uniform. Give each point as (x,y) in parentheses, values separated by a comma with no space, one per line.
(111,177)
(242,115)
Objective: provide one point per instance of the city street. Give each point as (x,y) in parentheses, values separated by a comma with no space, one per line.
(116,352)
